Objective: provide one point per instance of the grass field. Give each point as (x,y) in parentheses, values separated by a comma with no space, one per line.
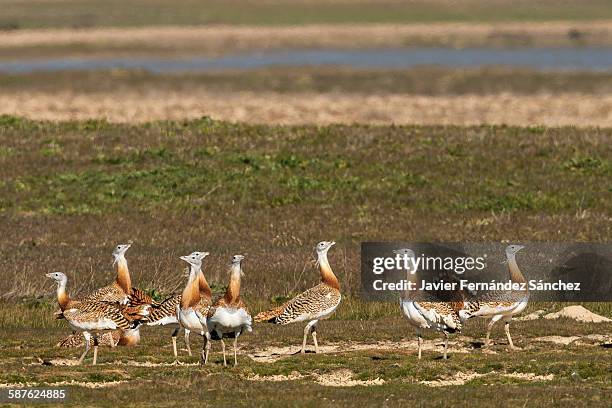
(71,190)
(87,13)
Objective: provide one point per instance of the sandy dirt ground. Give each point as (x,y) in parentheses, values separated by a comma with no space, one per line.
(140,106)
(219,39)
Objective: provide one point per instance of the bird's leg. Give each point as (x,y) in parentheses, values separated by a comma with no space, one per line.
(306,332)
(306,329)
(174,334)
(95,339)
(207,336)
(187,342)
(223,348)
(314,336)
(420,342)
(87,337)
(203,356)
(235,348)
(445,345)
(507,330)
(494,319)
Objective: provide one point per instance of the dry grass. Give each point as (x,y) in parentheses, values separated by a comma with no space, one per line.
(134,106)
(220,39)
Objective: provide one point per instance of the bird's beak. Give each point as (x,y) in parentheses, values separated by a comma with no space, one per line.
(332,243)
(49,275)
(184,258)
(520,247)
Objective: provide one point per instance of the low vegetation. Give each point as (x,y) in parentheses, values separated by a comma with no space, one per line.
(82,13)
(70,191)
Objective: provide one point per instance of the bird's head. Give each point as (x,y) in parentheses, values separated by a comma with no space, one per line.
(405,252)
(236,259)
(58,277)
(323,246)
(121,249)
(513,249)
(194,259)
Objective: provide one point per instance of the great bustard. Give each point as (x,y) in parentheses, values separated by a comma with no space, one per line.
(502,305)
(92,317)
(189,312)
(312,305)
(163,313)
(229,316)
(120,292)
(424,312)
(121,288)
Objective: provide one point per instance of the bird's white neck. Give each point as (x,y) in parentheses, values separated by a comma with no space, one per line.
(191,293)
(203,285)
(232,294)
(515,273)
(62,296)
(327,275)
(123,274)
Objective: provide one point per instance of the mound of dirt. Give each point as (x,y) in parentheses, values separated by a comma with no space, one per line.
(459,378)
(558,339)
(531,316)
(579,314)
(279,377)
(530,376)
(344,378)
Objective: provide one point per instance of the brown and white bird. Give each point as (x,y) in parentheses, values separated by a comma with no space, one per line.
(164,312)
(502,305)
(190,313)
(121,288)
(315,304)
(421,312)
(121,292)
(229,317)
(93,317)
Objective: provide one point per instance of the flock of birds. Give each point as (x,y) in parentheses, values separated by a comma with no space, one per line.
(114,314)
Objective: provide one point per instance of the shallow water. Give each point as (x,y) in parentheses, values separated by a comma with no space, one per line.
(590,59)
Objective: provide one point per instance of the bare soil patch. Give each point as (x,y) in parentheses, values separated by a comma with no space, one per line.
(461,378)
(276,378)
(344,378)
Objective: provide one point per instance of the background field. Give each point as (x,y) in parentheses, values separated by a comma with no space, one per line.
(88,13)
